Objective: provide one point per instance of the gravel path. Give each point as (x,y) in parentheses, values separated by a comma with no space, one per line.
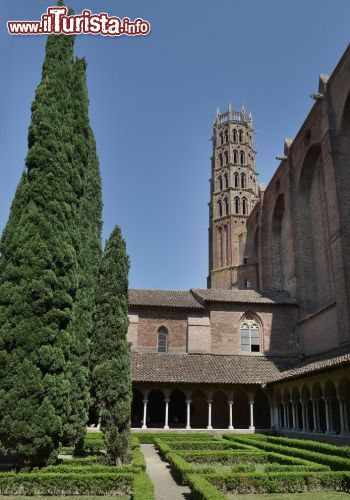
(165,487)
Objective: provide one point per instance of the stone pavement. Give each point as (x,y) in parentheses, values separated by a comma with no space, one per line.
(165,487)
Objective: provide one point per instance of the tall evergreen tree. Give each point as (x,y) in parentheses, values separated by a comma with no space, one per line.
(89,254)
(110,349)
(38,272)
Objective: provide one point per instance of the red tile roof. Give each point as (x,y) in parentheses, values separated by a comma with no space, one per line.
(243,296)
(163,298)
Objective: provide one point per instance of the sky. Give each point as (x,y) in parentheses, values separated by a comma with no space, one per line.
(153,100)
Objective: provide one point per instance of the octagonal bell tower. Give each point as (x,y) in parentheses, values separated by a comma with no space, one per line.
(233,194)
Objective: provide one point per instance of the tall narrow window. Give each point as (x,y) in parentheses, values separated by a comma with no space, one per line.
(242,157)
(237,205)
(243,180)
(235,157)
(225,181)
(219,208)
(220,246)
(234,134)
(226,136)
(244,206)
(162,339)
(220,160)
(221,138)
(236,175)
(226,205)
(226,157)
(220,183)
(250,335)
(240,136)
(226,246)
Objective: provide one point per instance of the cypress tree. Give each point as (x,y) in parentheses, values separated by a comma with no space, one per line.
(38,272)
(89,254)
(110,349)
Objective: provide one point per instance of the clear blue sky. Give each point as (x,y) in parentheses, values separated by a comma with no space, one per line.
(152,104)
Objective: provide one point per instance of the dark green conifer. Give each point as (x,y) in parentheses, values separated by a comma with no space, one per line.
(38,272)
(110,349)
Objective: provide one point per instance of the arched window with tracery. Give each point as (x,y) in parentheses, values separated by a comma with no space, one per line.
(250,334)
(243,180)
(234,134)
(220,160)
(225,181)
(226,157)
(221,138)
(235,157)
(162,339)
(240,136)
(242,157)
(237,205)
(244,206)
(236,176)
(226,136)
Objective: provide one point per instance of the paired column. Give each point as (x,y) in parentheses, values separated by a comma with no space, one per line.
(344,423)
(251,414)
(188,407)
(230,426)
(329,417)
(316,416)
(305,416)
(144,423)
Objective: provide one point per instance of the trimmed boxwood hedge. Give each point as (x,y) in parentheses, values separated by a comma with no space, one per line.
(202,489)
(204,445)
(142,488)
(334,462)
(41,484)
(86,469)
(148,438)
(287,482)
(329,449)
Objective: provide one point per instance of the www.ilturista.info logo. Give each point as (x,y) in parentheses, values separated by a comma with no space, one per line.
(56,21)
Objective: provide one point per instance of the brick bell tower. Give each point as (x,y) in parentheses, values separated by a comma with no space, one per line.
(234,191)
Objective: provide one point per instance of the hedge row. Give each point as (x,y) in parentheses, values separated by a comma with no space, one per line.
(287,482)
(204,445)
(38,484)
(329,449)
(137,458)
(148,438)
(142,488)
(335,463)
(202,489)
(86,469)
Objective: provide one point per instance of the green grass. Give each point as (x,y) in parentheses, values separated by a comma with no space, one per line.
(119,497)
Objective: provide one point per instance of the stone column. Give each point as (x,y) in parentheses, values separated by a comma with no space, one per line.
(251,412)
(166,424)
(329,417)
(209,426)
(316,416)
(344,424)
(285,414)
(230,403)
(144,423)
(188,406)
(305,416)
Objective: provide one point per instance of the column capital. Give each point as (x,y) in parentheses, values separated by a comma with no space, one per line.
(145,401)
(188,401)
(230,403)
(166,400)
(209,401)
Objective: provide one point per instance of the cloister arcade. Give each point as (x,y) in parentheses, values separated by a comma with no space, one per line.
(318,404)
(166,406)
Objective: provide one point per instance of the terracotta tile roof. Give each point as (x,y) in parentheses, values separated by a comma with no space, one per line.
(316,363)
(163,298)
(207,368)
(248,296)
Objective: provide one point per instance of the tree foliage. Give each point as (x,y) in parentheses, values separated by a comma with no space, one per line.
(110,349)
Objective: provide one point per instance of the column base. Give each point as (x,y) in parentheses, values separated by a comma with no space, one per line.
(209,427)
(230,427)
(251,428)
(166,427)
(344,433)
(188,427)
(330,433)
(144,427)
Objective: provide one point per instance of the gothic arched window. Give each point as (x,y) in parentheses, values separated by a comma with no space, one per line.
(225,181)
(242,157)
(226,205)
(243,180)
(219,208)
(237,205)
(236,175)
(162,345)
(220,160)
(226,136)
(235,157)
(244,206)
(240,136)
(226,157)
(221,138)
(250,334)
(234,133)
(220,182)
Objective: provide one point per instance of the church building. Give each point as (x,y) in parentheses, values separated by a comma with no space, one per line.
(267,344)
